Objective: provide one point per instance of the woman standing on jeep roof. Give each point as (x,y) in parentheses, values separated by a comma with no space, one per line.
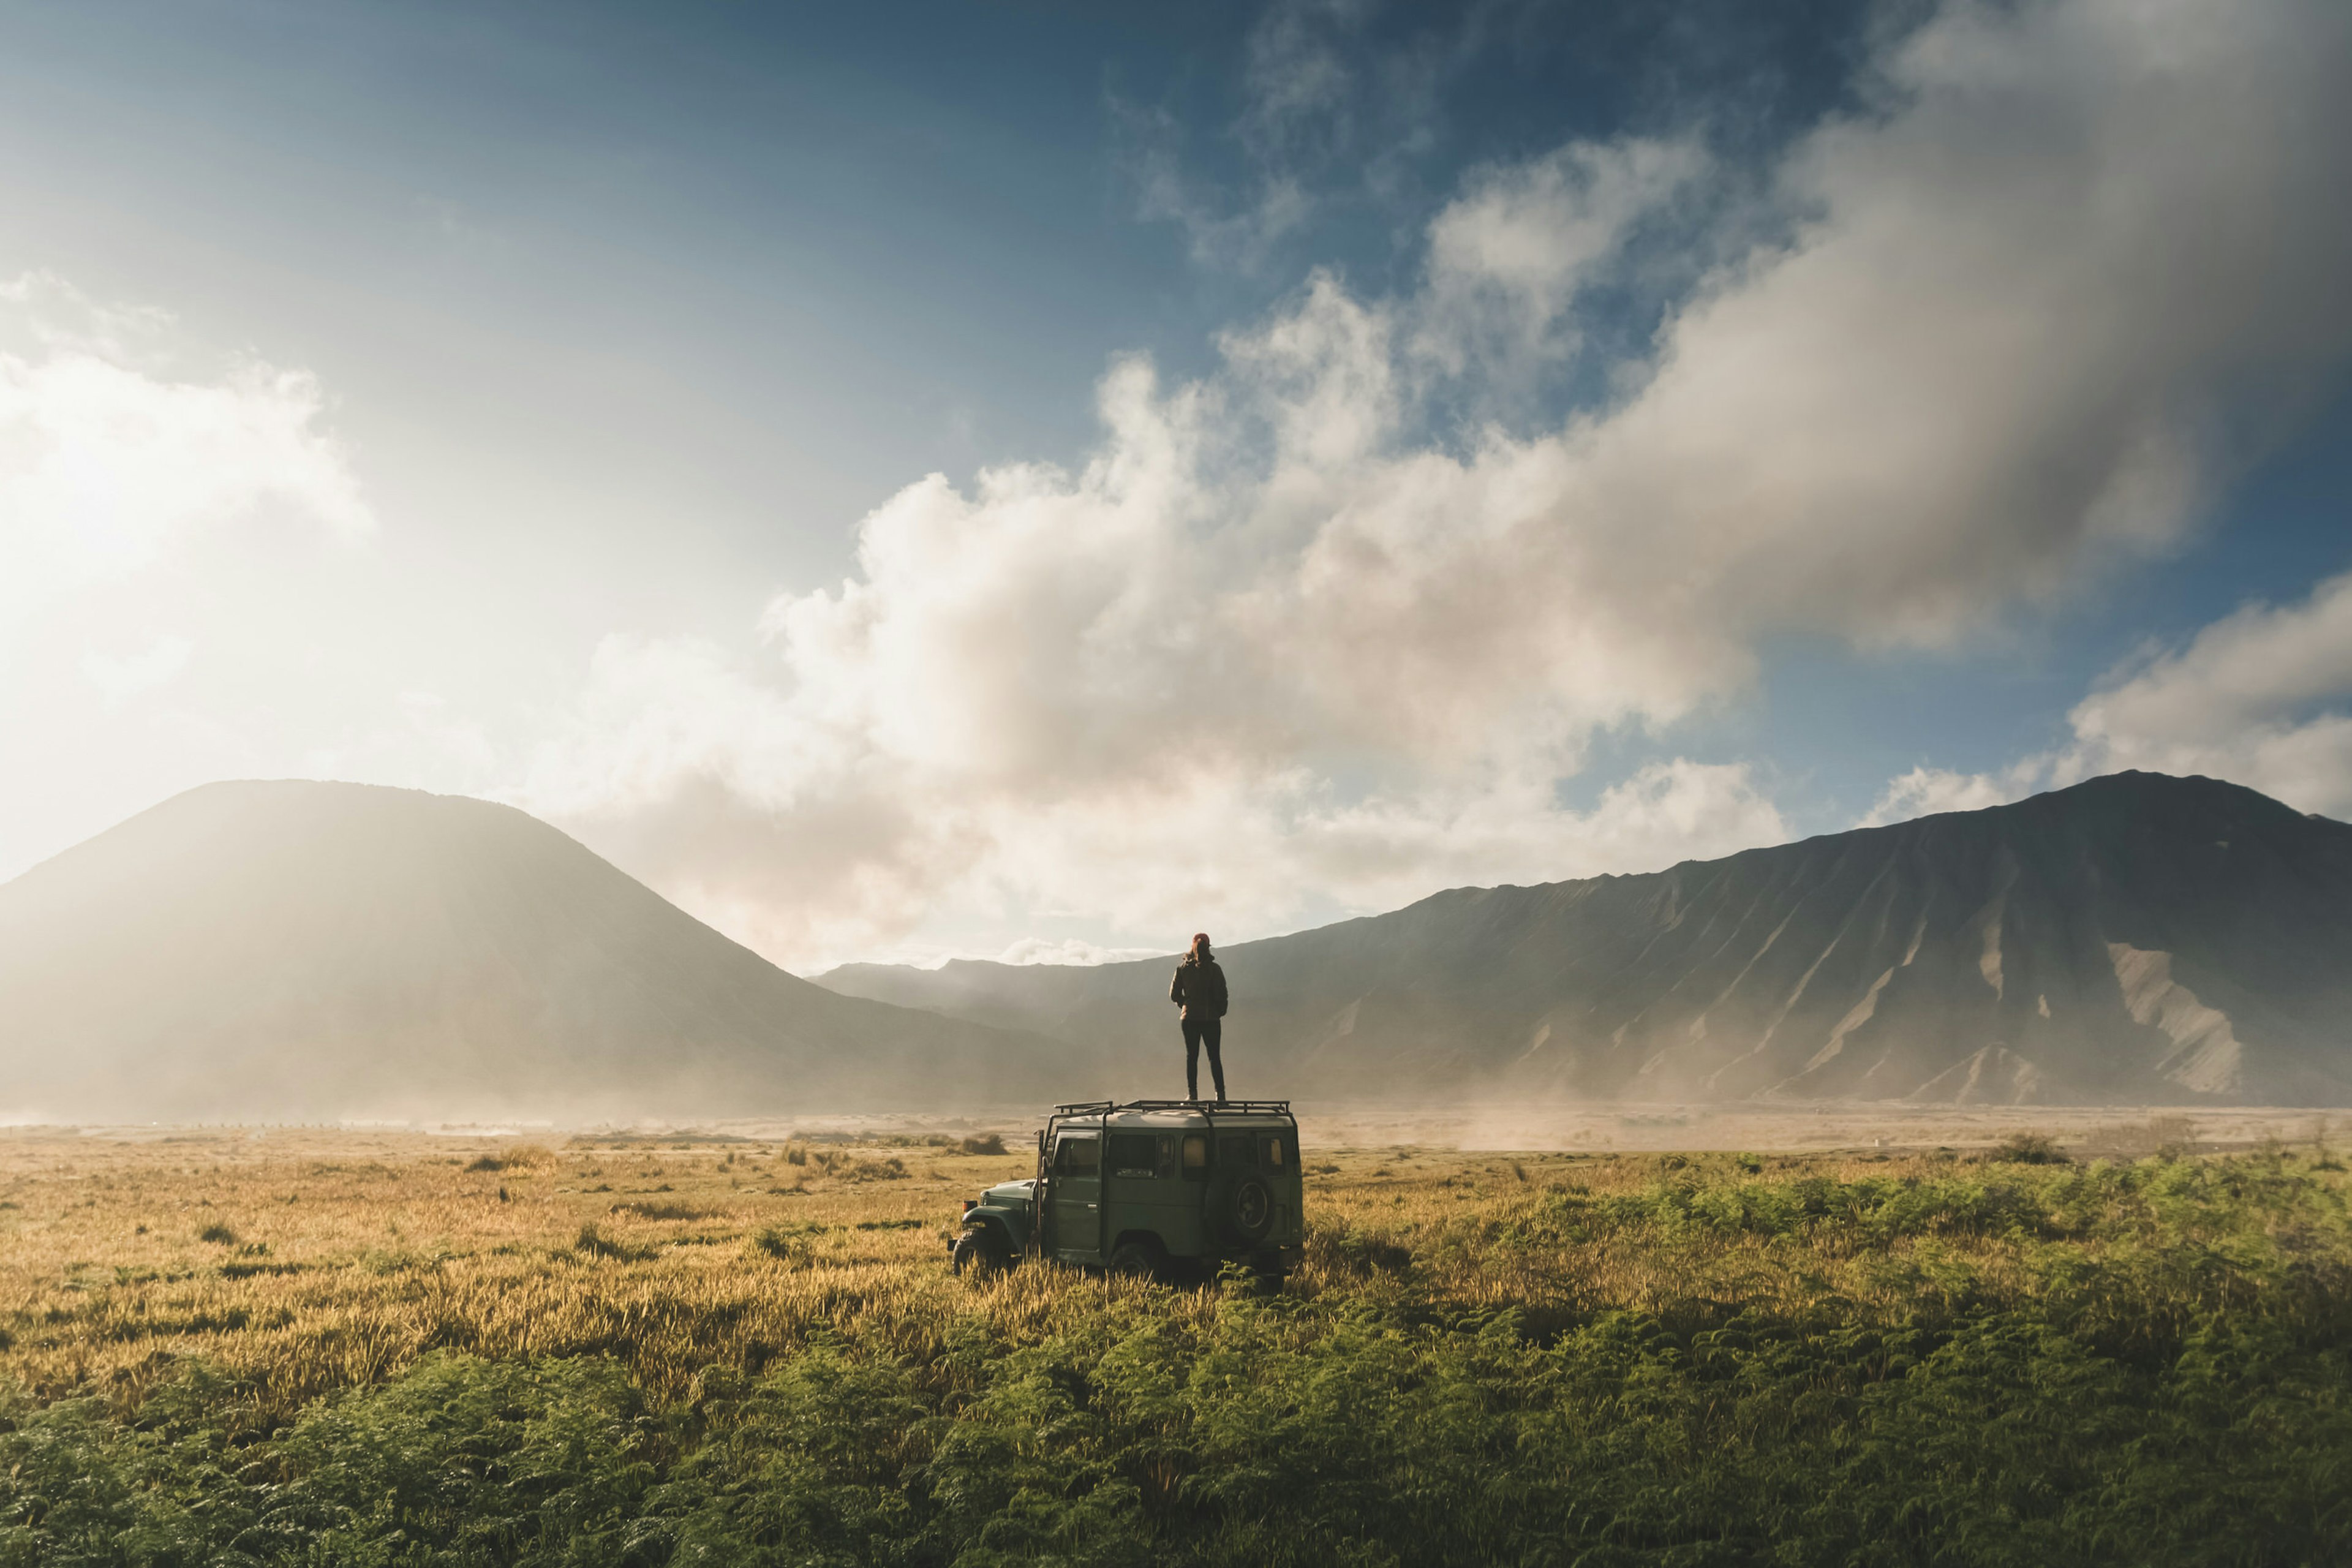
(1199,993)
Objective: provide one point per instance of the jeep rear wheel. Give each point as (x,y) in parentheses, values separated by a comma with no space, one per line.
(980,1251)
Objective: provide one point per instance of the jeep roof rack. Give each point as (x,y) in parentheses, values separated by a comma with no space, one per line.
(1108,1107)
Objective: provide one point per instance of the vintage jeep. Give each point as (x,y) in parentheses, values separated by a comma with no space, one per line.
(1164,1188)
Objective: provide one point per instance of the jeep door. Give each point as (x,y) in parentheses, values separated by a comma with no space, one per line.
(1145,1192)
(1077,1199)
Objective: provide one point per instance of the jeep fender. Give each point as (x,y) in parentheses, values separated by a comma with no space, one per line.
(1013,1227)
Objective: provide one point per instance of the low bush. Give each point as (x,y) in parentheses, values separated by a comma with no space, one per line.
(592,1242)
(786,1244)
(663,1209)
(2027,1149)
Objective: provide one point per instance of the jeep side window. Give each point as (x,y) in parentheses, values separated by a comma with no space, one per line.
(1196,1154)
(1273,1153)
(1133,1155)
(1167,1162)
(1076,1156)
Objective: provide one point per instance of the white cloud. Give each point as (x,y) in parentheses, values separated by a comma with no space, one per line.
(155,500)
(1070,950)
(47,311)
(2262,697)
(123,676)
(106,464)
(1508,257)
(1926,792)
(1272,644)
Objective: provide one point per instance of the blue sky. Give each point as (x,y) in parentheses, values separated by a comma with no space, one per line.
(537,402)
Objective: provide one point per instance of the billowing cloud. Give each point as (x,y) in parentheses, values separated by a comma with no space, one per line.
(1509,258)
(129,465)
(1926,791)
(126,675)
(1069,951)
(1286,638)
(2262,697)
(106,463)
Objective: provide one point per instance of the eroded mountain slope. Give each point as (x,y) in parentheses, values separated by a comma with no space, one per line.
(2136,939)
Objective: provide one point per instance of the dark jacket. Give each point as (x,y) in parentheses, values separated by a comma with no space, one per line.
(1198,984)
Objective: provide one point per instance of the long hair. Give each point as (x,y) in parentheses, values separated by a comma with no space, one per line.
(1200,953)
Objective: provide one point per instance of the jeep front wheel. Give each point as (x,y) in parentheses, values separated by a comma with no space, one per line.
(1136,1260)
(980,1251)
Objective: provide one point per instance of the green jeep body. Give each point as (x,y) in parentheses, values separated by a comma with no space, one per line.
(1160,1187)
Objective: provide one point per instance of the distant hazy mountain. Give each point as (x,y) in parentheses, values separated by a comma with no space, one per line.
(2137,940)
(295,949)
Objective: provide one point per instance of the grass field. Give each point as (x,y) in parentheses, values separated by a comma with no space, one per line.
(224,1347)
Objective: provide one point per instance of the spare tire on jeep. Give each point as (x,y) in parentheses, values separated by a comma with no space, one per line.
(1249,1211)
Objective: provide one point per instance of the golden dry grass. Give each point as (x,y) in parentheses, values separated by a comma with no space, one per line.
(317,1260)
(1717,1358)
(308,1261)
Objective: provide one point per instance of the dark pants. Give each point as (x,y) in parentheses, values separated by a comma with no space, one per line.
(1199,1032)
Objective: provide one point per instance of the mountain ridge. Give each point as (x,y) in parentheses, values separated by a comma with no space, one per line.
(296,949)
(2097,943)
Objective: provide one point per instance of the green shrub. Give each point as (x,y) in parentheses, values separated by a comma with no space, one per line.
(786,1244)
(2027,1149)
(592,1242)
